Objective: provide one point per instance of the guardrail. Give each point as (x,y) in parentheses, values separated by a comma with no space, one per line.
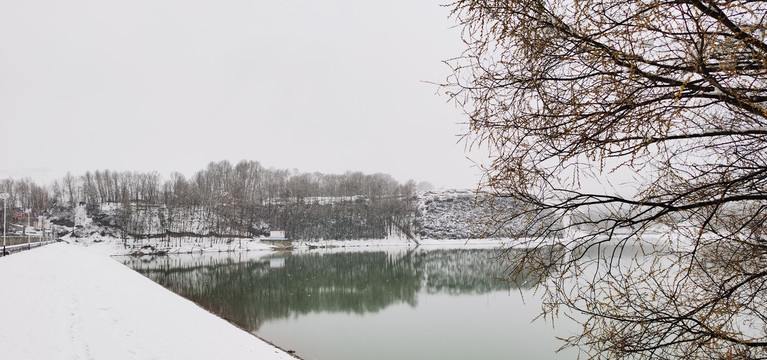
(15,244)
(17,239)
(21,247)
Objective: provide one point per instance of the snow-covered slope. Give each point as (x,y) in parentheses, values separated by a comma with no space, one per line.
(65,302)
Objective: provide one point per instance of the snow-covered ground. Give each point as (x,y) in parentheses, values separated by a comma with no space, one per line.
(67,302)
(113,246)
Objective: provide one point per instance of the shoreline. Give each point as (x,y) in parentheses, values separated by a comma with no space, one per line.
(65,301)
(87,305)
(113,247)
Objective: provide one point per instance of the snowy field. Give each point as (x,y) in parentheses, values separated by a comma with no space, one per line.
(68,302)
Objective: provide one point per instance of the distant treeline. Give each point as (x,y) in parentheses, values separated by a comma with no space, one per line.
(244,199)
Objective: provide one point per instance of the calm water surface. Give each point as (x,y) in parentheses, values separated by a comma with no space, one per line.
(379,304)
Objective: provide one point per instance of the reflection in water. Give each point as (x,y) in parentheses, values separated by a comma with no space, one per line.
(250,291)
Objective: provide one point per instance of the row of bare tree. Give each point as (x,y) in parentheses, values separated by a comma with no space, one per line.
(220,183)
(232,200)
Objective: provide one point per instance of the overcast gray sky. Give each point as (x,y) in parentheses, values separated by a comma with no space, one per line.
(170,85)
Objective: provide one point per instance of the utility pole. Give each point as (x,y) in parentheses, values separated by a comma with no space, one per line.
(4,196)
(42,227)
(29,238)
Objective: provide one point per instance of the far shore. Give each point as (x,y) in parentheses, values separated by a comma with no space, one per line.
(112,246)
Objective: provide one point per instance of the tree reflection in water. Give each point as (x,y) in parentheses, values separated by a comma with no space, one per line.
(251,291)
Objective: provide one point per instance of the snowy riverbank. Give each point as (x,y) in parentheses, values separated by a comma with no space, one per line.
(68,302)
(113,246)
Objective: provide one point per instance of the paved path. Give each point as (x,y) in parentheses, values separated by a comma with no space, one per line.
(71,303)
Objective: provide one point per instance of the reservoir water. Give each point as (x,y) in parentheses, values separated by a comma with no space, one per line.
(399,303)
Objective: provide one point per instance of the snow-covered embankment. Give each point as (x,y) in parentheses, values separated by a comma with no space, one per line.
(66,302)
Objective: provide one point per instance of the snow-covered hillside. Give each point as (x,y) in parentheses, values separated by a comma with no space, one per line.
(447,214)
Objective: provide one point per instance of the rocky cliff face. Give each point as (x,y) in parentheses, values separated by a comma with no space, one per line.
(462,214)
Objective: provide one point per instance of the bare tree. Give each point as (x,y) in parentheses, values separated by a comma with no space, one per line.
(89,190)
(610,121)
(70,184)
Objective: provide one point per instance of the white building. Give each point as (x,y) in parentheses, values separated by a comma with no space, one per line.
(277,235)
